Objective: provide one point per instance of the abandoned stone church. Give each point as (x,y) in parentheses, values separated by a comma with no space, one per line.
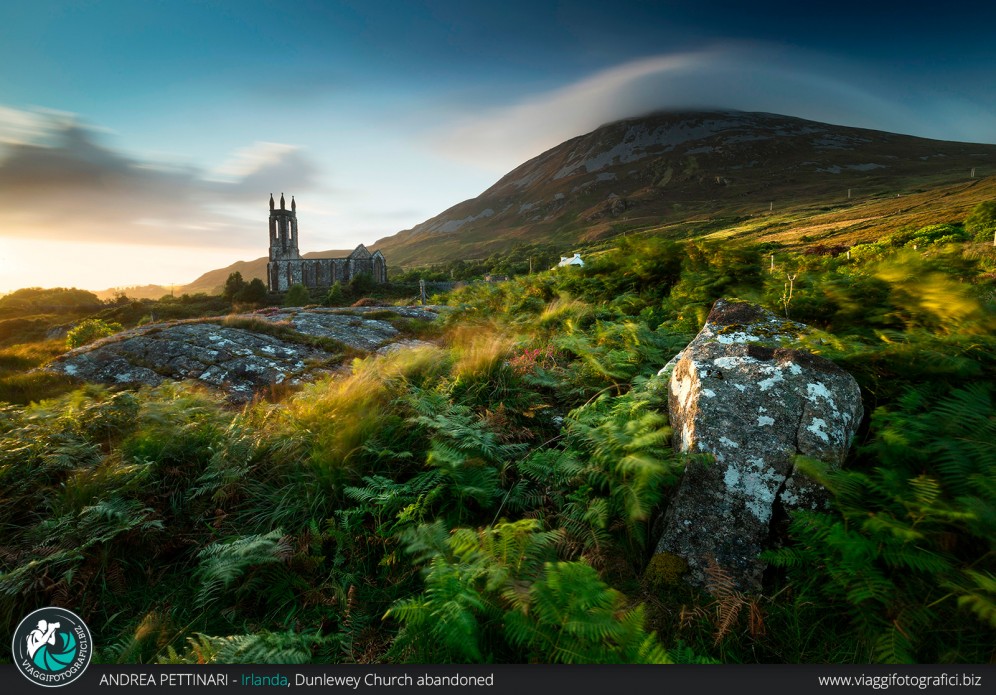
(286,267)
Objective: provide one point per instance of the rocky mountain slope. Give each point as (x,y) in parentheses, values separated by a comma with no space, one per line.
(693,173)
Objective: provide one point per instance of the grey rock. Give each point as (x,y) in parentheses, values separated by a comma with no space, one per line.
(738,394)
(239,361)
(404,345)
(355,331)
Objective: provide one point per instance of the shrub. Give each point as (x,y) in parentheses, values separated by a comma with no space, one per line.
(497,593)
(233,286)
(254,292)
(360,284)
(910,555)
(335,295)
(981,222)
(297,295)
(90,330)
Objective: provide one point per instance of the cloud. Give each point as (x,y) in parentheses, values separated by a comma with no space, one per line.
(742,76)
(58,181)
(264,163)
(19,127)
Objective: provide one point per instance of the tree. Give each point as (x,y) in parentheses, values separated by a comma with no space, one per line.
(335,297)
(981,222)
(89,330)
(297,295)
(233,286)
(360,284)
(254,292)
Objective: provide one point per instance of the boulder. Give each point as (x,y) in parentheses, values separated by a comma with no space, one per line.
(237,361)
(234,358)
(750,404)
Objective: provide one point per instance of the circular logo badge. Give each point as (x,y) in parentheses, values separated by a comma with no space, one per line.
(52,647)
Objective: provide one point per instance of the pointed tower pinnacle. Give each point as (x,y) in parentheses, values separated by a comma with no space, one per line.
(271,201)
(282,206)
(293,204)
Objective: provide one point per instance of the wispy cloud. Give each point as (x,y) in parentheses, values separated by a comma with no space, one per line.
(743,76)
(59,181)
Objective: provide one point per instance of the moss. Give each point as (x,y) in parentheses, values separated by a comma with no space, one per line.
(664,570)
(735,312)
(417,328)
(382,314)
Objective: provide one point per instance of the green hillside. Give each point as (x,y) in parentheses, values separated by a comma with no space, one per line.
(686,175)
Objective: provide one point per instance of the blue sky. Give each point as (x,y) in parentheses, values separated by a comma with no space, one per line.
(139,140)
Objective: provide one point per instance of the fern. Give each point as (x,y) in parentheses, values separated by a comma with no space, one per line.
(249,571)
(259,648)
(629,461)
(501,577)
(914,544)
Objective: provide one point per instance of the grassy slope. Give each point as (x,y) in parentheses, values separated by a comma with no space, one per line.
(828,217)
(757,176)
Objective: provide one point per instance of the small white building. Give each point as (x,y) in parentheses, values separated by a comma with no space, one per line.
(564,262)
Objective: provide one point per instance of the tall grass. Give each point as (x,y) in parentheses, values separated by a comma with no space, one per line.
(19,383)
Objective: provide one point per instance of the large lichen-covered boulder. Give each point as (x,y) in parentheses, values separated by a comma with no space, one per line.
(739,395)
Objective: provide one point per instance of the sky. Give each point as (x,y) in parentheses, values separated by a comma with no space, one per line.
(140,140)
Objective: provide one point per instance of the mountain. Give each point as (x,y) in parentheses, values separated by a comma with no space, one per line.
(728,173)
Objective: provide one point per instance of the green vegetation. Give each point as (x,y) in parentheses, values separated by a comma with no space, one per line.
(520,259)
(297,295)
(497,496)
(90,330)
(238,290)
(335,296)
(981,223)
(19,383)
(37,300)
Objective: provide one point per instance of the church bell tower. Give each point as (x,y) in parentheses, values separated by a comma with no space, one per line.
(284,267)
(283,231)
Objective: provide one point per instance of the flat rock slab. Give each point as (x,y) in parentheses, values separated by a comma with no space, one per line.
(740,396)
(355,331)
(237,360)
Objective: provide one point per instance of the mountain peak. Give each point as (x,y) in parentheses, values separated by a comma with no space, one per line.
(679,168)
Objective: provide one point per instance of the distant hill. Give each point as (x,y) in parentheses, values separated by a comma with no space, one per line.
(730,173)
(213,281)
(135,292)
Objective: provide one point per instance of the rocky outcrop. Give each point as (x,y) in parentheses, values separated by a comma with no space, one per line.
(240,355)
(739,395)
